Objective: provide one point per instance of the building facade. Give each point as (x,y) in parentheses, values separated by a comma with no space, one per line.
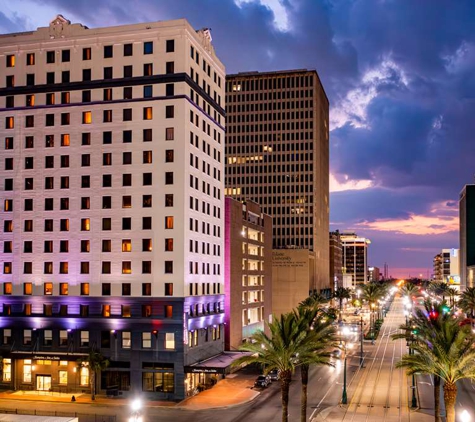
(112,174)
(248,271)
(467,235)
(336,260)
(355,257)
(277,155)
(447,267)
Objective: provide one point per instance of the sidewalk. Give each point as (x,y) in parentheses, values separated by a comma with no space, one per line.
(234,390)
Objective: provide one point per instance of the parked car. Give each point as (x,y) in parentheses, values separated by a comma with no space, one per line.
(273,375)
(262,381)
(336,353)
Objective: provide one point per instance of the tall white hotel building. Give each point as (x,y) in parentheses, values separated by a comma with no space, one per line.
(112,207)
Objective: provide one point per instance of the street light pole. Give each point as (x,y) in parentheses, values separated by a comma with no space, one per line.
(361,342)
(344,397)
(414,399)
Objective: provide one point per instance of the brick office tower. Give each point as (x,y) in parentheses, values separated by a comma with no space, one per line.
(112,172)
(277,155)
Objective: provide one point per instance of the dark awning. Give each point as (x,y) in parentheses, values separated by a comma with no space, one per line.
(219,364)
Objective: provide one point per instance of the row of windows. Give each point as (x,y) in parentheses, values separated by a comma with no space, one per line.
(259,117)
(259,84)
(106,289)
(84,267)
(85,183)
(107,138)
(274,127)
(87,117)
(108,52)
(274,100)
(126,246)
(275,138)
(253,145)
(86,96)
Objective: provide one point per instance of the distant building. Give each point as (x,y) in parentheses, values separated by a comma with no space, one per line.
(447,267)
(336,260)
(277,155)
(355,257)
(248,271)
(467,235)
(291,271)
(373,274)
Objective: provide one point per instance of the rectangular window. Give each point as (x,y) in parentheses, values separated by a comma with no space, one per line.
(63,289)
(10,82)
(106,311)
(148,47)
(106,224)
(147,113)
(85,246)
(148,69)
(27,338)
(86,139)
(169,134)
(128,93)
(168,311)
(108,73)
(30,100)
(107,116)
(169,112)
(146,340)
(65,139)
(86,96)
(48,338)
(84,339)
(147,135)
(126,267)
(170,341)
(168,289)
(148,91)
(86,117)
(30,121)
(85,224)
(169,90)
(146,289)
(128,50)
(30,59)
(170,46)
(127,114)
(10,60)
(126,245)
(127,136)
(84,289)
(107,94)
(170,67)
(86,53)
(65,76)
(84,268)
(50,78)
(169,222)
(7,362)
(128,71)
(108,51)
(63,377)
(168,267)
(125,311)
(9,122)
(126,339)
(146,267)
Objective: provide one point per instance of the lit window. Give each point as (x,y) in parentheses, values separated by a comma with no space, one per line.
(126,267)
(169,340)
(65,140)
(63,377)
(169,222)
(126,245)
(86,117)
(84,375)
(10,60)
(147,113)
(7,367)
(85,224)
(27,370)
(146,340)
(126,340)
(106,310)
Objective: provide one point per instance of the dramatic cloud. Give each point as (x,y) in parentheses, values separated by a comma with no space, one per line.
(400,76)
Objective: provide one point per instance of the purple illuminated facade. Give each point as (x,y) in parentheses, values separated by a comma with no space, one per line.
(112,180)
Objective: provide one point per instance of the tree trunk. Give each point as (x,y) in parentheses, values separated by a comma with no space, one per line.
(436,398)
(341,308)
(93,385)
(450,396)
(303,398)
(285,378)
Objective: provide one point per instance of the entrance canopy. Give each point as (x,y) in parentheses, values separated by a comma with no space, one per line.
(219,364)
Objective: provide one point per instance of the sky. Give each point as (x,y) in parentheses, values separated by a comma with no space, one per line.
(400,77)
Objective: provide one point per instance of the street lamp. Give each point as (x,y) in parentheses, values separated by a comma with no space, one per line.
(411,352)
(361,341)
(136,406)
(346,333)
(465,416)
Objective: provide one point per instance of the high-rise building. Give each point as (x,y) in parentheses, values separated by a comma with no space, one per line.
(355,258)
(336,260)
(447,267)
(112,206)
(248,271)
(277,155)
(467,236)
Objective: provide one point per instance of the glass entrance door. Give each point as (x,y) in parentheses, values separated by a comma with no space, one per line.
(43,382)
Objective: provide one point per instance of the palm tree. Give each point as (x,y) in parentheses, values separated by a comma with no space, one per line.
(426,324)
(446,350)
(371,293)
(467,301)
(409,290)
(315,300)
(289,338)
(323,337)
(94,362)
(340,294)
(452,293)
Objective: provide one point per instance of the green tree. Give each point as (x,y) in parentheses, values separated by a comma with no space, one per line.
(289,338)
(323,337)
(445,349)
(315,300)
(95,362)
(371,293)
(409,290)
(467,301)
(340,294)
(452,294)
